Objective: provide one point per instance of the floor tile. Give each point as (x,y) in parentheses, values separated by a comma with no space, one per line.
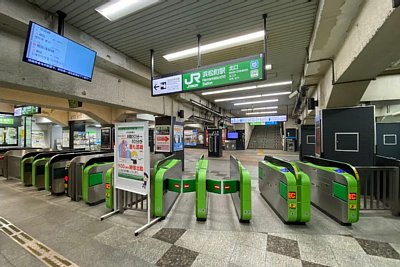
(254,240)
(206,260)
(193,239)
(248,256)
(311,264)
(283,246)
(380,249)
(170,235)
(218,248)
(273,259)
(177,256)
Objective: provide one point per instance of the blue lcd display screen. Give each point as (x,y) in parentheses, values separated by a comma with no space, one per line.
(233,135)
(50,50)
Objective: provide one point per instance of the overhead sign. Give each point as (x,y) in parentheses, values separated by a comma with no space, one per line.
(26,111)
(259,119)
(264,123)
(7,120)
(236,71)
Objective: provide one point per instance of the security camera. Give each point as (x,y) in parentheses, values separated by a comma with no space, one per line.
(295,93)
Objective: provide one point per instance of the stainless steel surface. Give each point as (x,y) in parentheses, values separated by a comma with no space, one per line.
(379,188)
(268,185)
(28,172)
(12,162)
(57,183)
(322,191)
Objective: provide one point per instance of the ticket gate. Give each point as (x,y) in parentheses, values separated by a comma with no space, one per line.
(335,188)
(12,162)
(285,188)
(2,159)
(56,171)
(168,184)
(86,177)
(29,158)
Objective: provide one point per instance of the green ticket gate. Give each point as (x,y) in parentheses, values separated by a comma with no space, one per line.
(239,187)
(285,188)
(39,172)
(93,182)
(335,188)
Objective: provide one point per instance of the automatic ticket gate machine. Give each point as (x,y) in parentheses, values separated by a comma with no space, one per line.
(12,162)
(285,188)
(335,188)
(86,177)
(27,165)
(56,171)
(2,158)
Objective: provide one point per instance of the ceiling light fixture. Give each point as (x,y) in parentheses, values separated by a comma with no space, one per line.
(263,108)
(262,112)
(212,47)
(256,102)
(116,9)
(251,96)
(247,88)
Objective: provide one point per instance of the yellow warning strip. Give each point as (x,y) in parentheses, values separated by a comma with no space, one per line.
(33,246)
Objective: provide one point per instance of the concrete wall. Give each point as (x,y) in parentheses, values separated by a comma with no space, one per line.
(248,129)
(383,89)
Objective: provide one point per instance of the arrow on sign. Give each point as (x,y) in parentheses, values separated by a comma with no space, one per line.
(156,87)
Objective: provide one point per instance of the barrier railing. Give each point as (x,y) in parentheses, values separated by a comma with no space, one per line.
(380,188)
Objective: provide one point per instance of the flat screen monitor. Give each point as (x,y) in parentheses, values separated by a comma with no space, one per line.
(233,135)
(50,50)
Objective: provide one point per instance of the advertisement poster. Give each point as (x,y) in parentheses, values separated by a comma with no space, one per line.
(200,138)
(38,139)
(206,137)
(65,138)
(163,139)
(178,137)
(190,137)
(131,155)
(223,136)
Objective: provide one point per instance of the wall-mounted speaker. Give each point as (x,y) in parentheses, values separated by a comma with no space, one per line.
(181,113)
(311,103)
(298,121)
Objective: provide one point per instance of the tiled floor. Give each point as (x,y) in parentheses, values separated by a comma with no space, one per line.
(73,230)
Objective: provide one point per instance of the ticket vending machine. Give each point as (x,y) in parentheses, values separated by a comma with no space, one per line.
(214,142)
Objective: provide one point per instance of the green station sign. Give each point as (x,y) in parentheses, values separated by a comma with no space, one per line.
(7,120)
(26,110)
(237,71)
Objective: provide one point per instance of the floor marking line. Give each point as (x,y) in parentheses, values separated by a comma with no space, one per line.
(42,252)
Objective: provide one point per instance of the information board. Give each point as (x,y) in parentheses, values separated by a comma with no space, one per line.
(236,71)
(163,138)
(259,119)
(178,137)
(26,111)
(264,123)
(132,157)
(50,50)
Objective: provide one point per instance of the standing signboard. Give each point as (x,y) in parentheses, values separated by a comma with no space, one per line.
(132,157)
(163,138)
(178,137)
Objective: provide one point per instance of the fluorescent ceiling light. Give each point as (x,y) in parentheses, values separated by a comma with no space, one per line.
(116,9)
(268,67)
(262,112)
(263,108)
(246,88)
(227,43)
(250,96)
(256,102)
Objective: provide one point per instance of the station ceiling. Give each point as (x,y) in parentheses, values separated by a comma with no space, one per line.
(172,25)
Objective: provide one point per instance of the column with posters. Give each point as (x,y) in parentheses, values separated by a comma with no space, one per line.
(132,157)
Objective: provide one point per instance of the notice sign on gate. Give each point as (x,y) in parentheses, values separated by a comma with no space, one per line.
(132,157)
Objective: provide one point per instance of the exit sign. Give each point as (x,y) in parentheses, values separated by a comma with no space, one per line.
(242,70)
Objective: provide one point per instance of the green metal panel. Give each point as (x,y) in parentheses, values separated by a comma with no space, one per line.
(245,194)
(304,197)
(283,189)
(34,169)
(189,185)
(174,185)
(340,191)
(95,179)
(47,182)
(201,189)
(231,186)
(214,186)
(109,188)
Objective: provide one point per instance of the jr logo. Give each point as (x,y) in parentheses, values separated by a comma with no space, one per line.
(194,78)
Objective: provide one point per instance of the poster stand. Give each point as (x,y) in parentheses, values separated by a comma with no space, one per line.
(132,167)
